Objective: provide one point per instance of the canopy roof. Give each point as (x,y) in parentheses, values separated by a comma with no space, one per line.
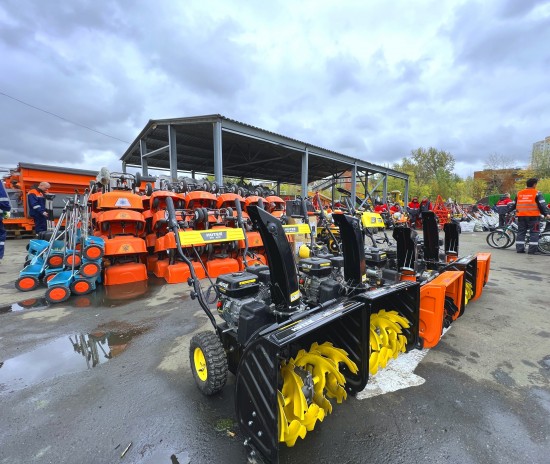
(247,151)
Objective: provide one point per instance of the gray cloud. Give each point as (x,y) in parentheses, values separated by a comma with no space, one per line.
(366,80)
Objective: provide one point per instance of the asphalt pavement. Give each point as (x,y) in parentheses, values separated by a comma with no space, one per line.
(106,378)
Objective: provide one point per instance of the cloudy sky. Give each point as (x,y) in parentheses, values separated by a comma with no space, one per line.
(372,79)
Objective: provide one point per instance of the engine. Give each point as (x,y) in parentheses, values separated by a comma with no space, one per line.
(245,301)
(317,280)
(236,290)
(375,261)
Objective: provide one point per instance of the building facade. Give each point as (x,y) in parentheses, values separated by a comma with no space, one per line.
(540,157)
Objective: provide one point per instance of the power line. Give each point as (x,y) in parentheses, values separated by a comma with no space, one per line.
(62,118)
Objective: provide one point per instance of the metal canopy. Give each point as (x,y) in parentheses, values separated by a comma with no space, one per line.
(246,151)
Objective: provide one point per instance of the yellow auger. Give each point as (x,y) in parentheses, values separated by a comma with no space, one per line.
(469,292)
(298,414)
(386,338)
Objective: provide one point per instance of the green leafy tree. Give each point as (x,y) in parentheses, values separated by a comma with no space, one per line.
(431,173)
(471,190)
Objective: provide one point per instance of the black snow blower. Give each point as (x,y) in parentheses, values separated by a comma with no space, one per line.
(292,355)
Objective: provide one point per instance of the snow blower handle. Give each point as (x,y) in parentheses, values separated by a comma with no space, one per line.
(241,225)
(306,221)
(304,210)
(193,281)
(321,211)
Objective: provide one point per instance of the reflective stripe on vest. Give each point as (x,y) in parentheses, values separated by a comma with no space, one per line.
(526,204)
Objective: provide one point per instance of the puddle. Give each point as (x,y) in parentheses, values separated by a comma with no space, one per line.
(106,296)
(66,355)
(545,362)
(31,303)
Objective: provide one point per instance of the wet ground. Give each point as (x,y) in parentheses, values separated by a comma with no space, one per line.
(107,375)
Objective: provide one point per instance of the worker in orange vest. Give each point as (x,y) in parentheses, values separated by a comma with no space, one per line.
(529,205)
(37,206)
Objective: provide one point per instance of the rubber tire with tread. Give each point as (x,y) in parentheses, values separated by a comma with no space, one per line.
(27,289)
(498,239)
(75,290)
(93,246)
(544,243)
(216,362)
(51,289)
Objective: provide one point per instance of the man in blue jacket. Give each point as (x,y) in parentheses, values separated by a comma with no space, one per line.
(4,212)
(37,206)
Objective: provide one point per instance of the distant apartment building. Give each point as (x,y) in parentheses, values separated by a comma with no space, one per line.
(540,156)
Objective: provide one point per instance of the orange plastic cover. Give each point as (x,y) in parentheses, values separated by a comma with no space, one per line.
(125,215)
(228,199)
(254,240)
(125,273)
(252,200)
(432,299)
(124,245)
(120,199)
(483,268)
(219,266)
(274,199)
(179,272)
(453,281)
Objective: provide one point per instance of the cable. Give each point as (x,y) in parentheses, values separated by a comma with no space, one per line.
(62,118)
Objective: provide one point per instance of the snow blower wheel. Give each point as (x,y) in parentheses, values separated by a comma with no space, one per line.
(208,362)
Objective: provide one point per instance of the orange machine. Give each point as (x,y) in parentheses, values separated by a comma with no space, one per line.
(275,205)
(435,295)
(483,269)
(118,218)
(26,176)
(442,212)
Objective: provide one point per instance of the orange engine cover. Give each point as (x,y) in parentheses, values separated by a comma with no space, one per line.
(124,245)
(125,273)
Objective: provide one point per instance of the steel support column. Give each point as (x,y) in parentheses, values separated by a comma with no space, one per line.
(143,152)
(124,167)
(353,184)
(385,190)
(173,150)
(305,161)
(218,158)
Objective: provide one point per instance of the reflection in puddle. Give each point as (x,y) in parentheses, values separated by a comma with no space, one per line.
(65,355)
(107,296)
(31,303)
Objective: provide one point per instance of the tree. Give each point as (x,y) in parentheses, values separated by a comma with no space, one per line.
(470,190)
(431,163)
(431,173)
(498,169)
